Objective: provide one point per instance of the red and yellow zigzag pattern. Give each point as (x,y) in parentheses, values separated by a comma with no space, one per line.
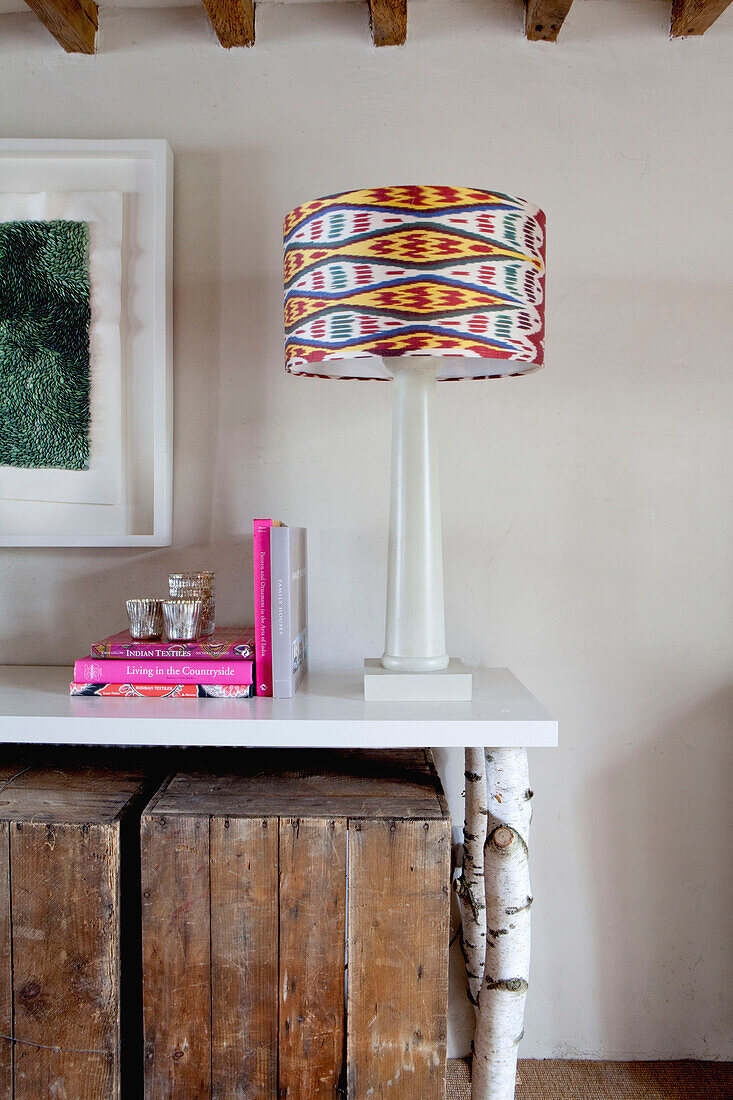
(415,198)
(419,299)
(417,247)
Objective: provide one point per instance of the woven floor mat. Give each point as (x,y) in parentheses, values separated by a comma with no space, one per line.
(551,1080)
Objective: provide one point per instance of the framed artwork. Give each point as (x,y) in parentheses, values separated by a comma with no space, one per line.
(85,343)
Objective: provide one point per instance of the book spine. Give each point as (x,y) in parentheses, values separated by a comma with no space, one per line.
(282,678)
(299,655)
(263,622)
(165,691)
(88,671)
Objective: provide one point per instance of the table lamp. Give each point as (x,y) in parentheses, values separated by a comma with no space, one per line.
(414,285)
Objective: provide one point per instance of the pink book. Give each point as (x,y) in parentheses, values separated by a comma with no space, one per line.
(165,691)
(263,613)
(91,671)
(228,643)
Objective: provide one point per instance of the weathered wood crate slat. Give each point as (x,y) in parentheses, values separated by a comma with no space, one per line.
(6,970)
(396,959)
(177,954)
(244,956)
(312,956)
(295,929)
(60,929)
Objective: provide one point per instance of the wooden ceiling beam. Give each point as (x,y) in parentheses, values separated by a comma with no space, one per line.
(544,18)
(73,23)
(233,21)
(388,20)
(695,16)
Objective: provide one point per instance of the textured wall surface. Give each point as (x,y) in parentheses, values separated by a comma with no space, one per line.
(587,507)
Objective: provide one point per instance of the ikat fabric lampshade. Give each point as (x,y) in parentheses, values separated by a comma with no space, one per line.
(452,272)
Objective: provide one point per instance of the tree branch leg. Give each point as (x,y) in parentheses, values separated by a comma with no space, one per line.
(470,885)
(500,1016)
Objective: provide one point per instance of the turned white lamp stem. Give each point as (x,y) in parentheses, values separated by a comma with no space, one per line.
(415,628)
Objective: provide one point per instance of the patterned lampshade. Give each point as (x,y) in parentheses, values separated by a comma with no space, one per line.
(407,271)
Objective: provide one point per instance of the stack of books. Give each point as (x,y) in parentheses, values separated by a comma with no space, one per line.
(220,666)
(281,607)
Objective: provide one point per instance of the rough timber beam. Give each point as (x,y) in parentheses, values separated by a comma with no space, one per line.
(389,22)
(544,19)
(73,23)
(695,16)
(233,21)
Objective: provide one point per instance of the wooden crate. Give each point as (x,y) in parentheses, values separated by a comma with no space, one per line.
(257,887)
(60,927)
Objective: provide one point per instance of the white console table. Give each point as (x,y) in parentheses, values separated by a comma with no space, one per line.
(329,711)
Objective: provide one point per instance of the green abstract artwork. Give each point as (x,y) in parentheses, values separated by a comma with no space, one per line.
(44,344)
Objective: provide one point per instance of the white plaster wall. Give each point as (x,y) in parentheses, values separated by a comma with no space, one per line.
(587,508)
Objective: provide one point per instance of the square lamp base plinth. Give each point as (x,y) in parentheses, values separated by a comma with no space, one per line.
(449,685)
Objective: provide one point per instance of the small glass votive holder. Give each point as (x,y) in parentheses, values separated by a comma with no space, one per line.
(182,619)
(146,619)
(201,586)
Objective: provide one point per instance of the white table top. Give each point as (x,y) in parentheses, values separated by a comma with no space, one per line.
(327,711)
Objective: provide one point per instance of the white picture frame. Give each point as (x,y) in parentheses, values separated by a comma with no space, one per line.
(142,172)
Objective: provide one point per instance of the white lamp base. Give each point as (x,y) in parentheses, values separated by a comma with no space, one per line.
(445,685)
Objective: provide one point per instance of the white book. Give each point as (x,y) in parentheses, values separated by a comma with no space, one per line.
(289,606)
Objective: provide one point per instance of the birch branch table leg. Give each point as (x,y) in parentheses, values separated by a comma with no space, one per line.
(500,1017)
(470,885)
